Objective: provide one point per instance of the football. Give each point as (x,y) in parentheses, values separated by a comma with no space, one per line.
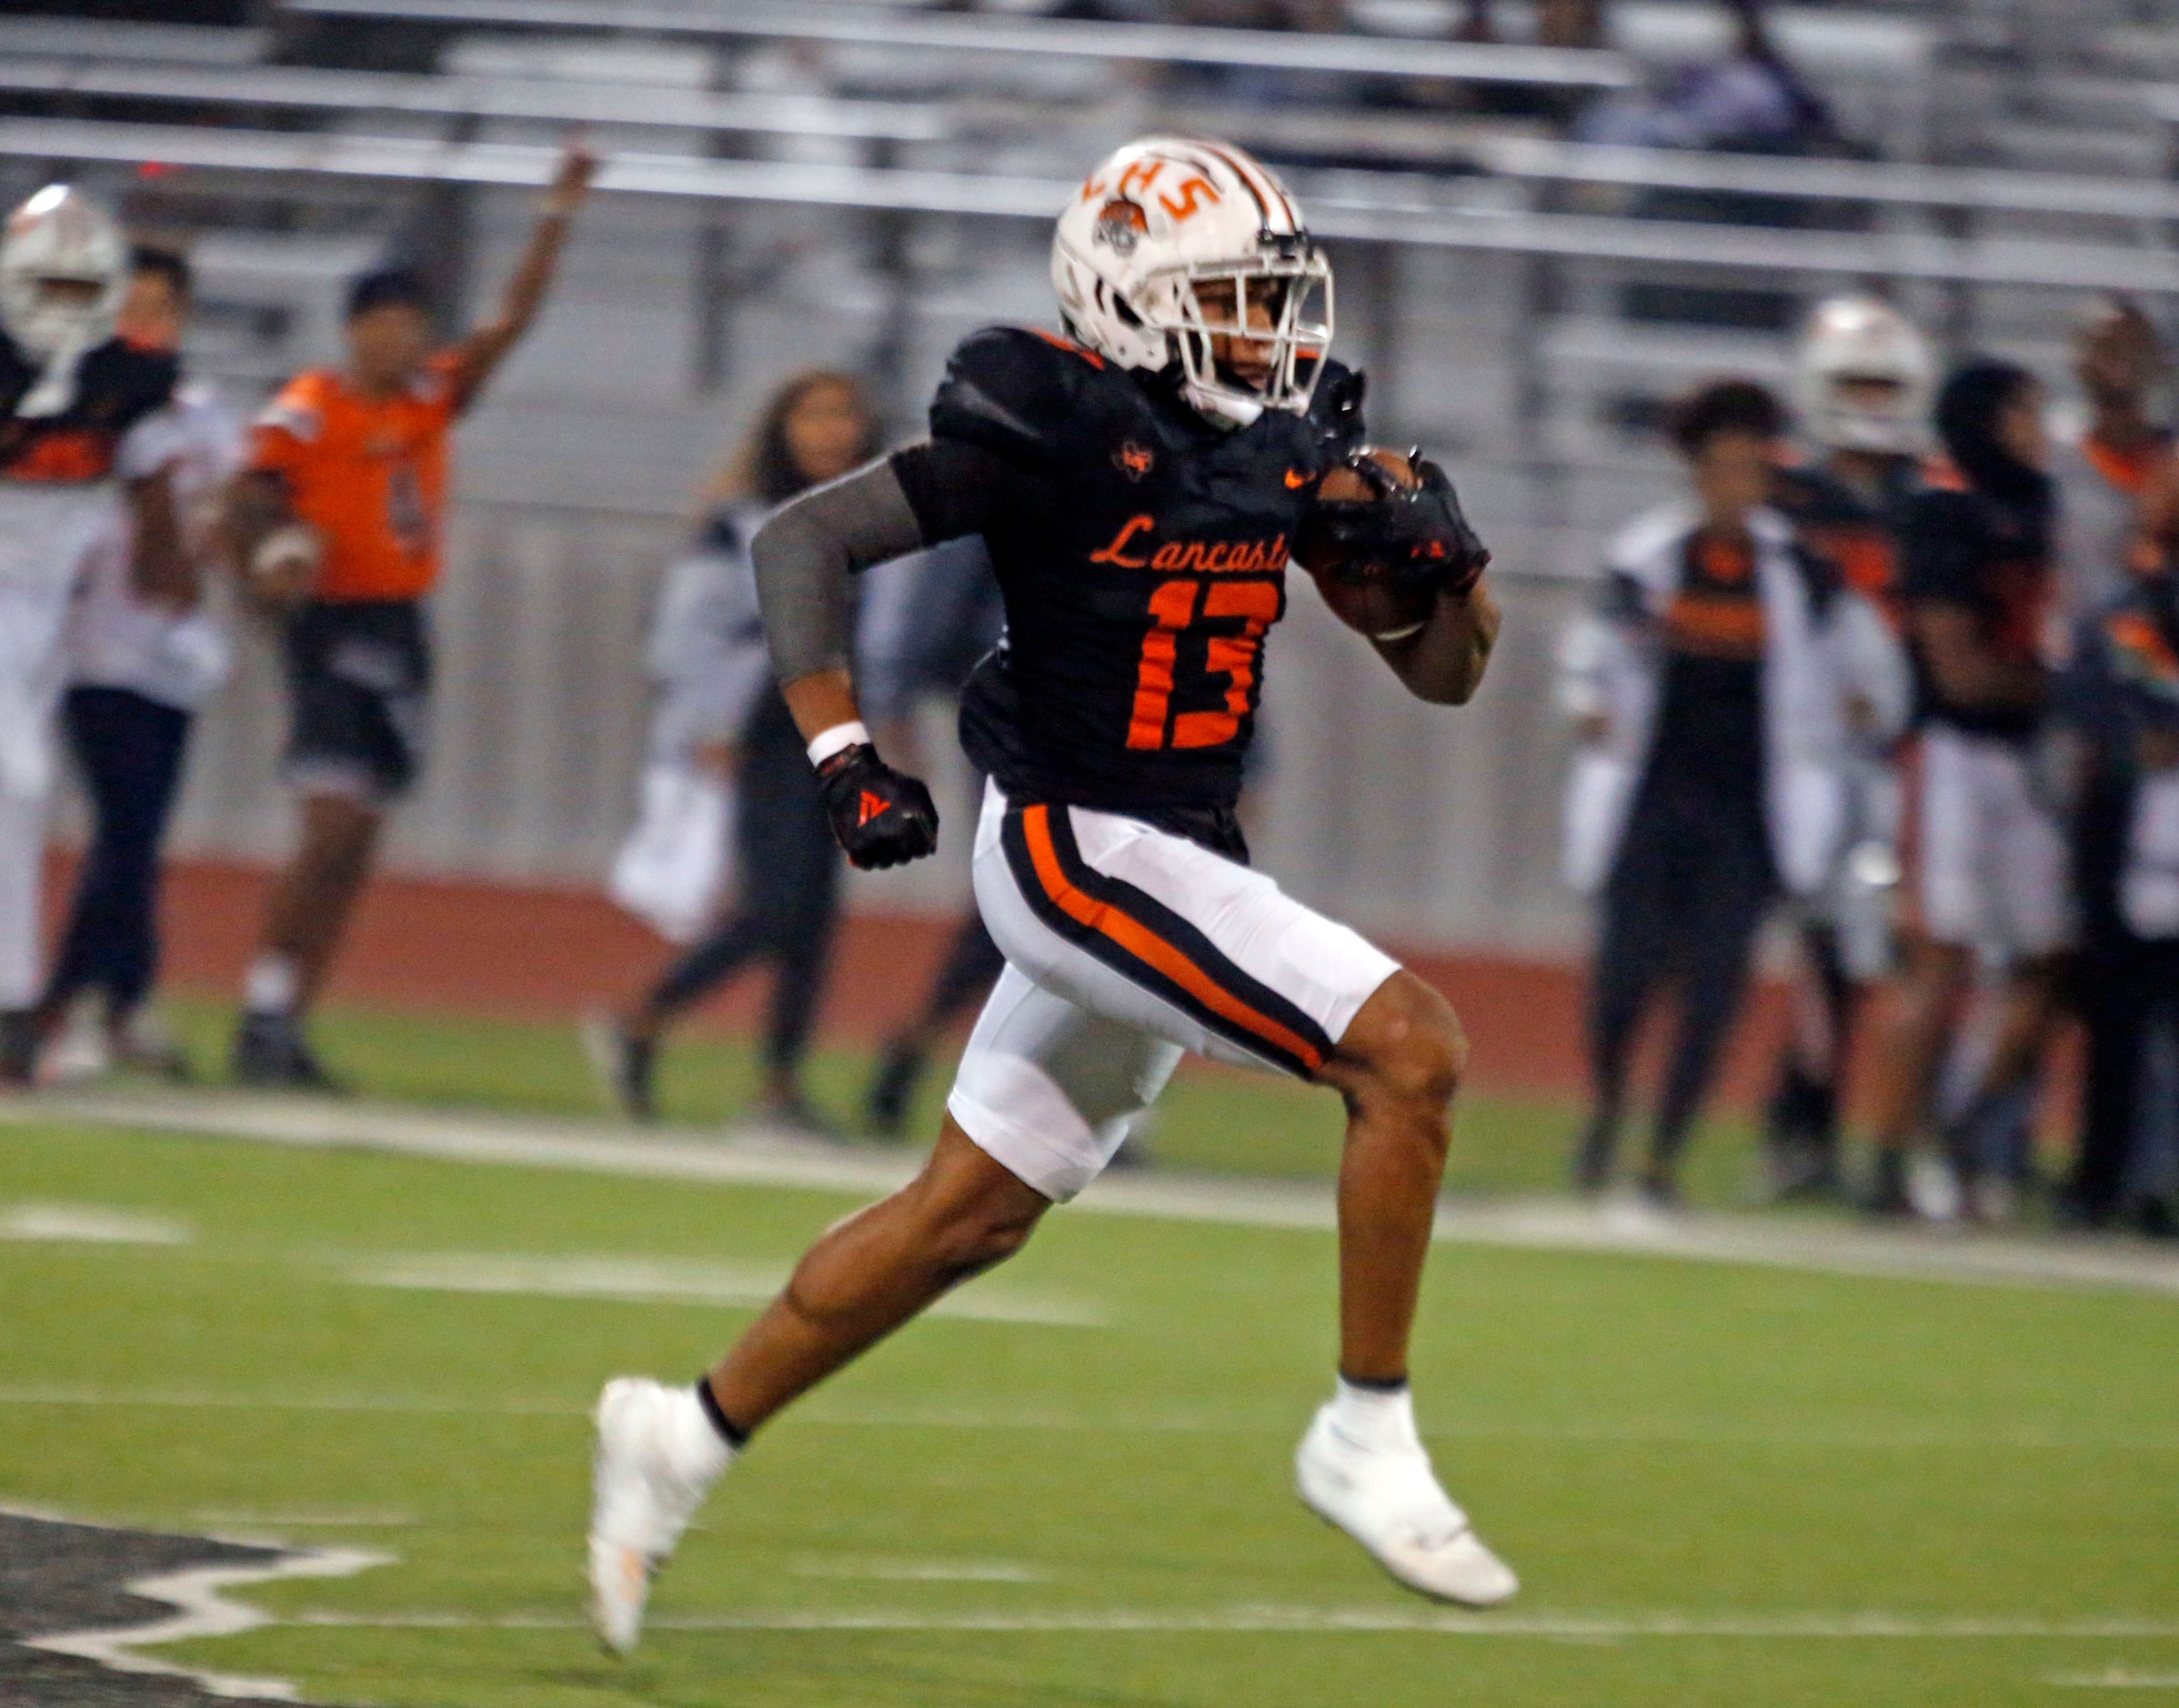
(1360,595)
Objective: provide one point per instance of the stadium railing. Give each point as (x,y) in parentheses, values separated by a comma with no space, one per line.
(181,43)
(989,32)
(460,96)
(1419,222)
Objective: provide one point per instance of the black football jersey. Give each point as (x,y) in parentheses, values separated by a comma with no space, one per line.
(1141,552)
(117,384)
(1992,556)
(1859,536)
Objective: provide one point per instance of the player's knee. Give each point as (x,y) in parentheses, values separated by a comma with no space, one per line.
(1413,1049)
(980,1236)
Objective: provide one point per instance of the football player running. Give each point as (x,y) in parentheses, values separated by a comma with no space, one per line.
(1139,484)
(1865,383)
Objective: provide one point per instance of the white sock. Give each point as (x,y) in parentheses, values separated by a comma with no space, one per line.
(271,986)
(699,1451)
(1371,1417)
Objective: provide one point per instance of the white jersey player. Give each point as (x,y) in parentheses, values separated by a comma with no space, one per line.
(71,394)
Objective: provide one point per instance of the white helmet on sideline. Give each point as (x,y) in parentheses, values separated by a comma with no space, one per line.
(60,236)
(1174,242)
(1851,338)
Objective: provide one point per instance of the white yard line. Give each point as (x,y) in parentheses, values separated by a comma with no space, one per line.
(1834,1626)
(2115,1678)
(1878,1437)
(90,1224)
(649,1281)
(920,1571)
(1885,1436)
(761,1160)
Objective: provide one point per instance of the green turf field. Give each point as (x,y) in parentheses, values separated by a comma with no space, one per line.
(1723,1486)
(1217,1118)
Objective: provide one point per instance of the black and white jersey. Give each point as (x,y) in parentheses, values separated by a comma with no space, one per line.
(115,384)
(1141,552)
(1858,533)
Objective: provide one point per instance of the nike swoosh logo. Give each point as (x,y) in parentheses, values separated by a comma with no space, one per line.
(1295,480)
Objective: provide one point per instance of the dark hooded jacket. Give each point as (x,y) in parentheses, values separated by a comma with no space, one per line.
(1978,538)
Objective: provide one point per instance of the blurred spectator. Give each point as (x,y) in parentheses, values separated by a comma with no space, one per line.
(2120,361)
(1989,842)
(1864,379)
(1751,101)
(1263,86)
(2123,692)
(2120,458)
(928,622)
(721,709)
(1712,700)
(1559,24)
(337,519)
(143,655)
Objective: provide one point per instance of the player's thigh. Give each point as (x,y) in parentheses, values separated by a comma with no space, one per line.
(1050,1089)
(2031,867)
(1149,928)
(356,699)
(1953,815)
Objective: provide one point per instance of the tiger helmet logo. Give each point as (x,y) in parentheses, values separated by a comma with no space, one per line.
(1121,225)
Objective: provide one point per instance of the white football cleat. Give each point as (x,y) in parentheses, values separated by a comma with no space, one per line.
(657,1458)
(1380,1490)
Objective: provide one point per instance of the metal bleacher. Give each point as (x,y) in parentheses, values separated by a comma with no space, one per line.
(862,184)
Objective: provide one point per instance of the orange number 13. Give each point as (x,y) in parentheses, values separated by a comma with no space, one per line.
(1233,657)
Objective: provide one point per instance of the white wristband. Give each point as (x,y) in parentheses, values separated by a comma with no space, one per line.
(839,739)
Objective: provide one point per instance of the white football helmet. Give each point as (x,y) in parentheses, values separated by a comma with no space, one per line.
(1850,338)
(60,236)
(1172,243)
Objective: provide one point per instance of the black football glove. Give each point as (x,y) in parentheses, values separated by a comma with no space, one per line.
(881,817)
(1410,536)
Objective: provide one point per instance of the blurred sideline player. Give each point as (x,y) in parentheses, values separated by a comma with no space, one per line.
(1990,863)
(1714,686)
(2102,473)
(1865,379)
(2114,514)
(719,710)
(338,517)
(73,396)
(145,649)
(2122,687)
(1139,484)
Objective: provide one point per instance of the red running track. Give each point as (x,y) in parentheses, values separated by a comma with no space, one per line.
(548,954)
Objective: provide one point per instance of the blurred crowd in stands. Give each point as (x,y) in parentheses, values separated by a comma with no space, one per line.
(1908,675)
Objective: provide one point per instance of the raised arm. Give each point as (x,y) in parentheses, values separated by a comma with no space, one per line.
(477,356)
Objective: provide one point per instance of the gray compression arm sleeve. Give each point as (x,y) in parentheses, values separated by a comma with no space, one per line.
(805,554)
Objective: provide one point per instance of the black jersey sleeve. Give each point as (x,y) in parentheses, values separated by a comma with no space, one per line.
(957,488)
(1943,550)
(1019,393)
(134,380)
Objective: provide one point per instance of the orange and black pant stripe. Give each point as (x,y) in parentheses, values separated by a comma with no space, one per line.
(1145,942)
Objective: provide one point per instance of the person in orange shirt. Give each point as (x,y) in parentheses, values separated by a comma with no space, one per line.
(338,516)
